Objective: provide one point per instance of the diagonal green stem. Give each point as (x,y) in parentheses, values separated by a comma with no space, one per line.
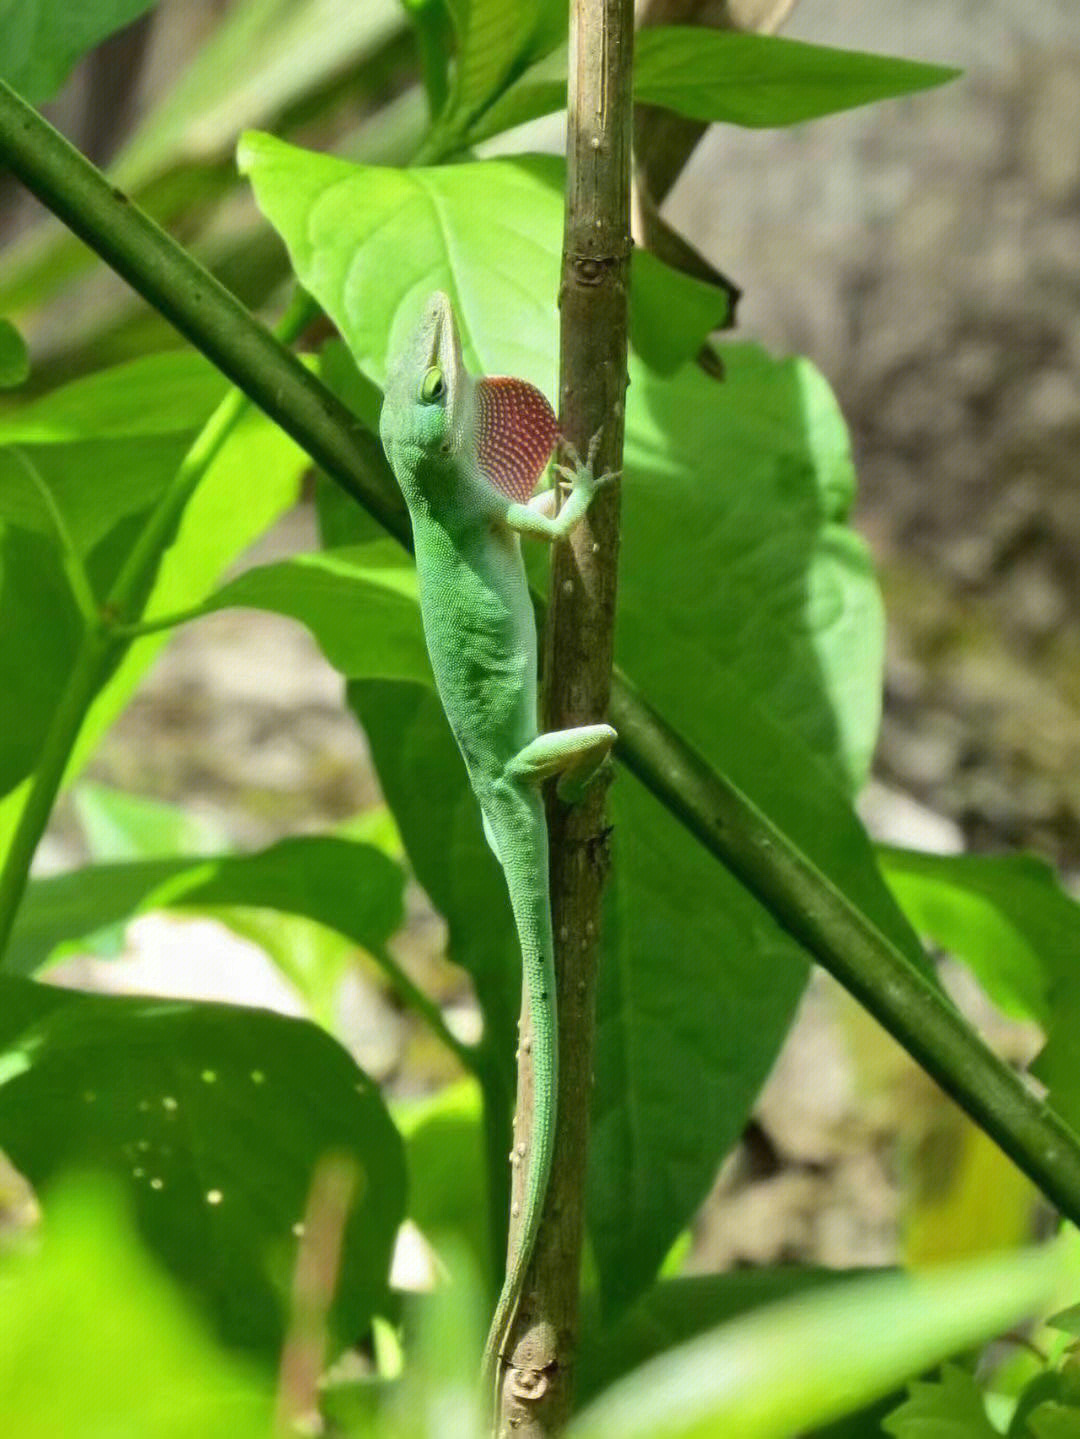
(91,662)
(729,826)
(199,306)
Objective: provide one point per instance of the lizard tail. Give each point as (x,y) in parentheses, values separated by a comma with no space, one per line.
(521,847)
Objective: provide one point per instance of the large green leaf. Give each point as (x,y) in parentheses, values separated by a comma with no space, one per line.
(738,564)
(371,243)
(789,1366)
(765,650)
(351,887)
(40,40)
(1006,916)
(725,75)
(95,1340)
(763,80)
(214,1118)
(77,463)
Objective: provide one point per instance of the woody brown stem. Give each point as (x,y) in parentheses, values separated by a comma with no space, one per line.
(578,654)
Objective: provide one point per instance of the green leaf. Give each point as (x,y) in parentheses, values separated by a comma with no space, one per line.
(359,603)
(736,501)
(95,1340)
(724,75)
(491,36)
(766,654)
(541,90)
(675,1310)
(40,40)
(106,445)
(103,448)
(40,627)
(1055,1421)
(762,80)
(687,1033)
(1006,916)
(213,1118)
(76,470)
(672,313)
(1067,1320)
(947,1408)
(790,1366)
(14,356)
(348,226)
(354,888)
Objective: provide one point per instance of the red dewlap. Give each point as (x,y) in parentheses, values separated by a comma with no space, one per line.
(516,431)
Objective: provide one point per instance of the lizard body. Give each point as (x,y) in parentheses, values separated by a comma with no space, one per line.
(467,454)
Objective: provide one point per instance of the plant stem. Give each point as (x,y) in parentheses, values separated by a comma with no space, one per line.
(536,1392)
(838,936)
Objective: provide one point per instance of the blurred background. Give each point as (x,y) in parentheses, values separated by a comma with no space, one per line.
(925,254)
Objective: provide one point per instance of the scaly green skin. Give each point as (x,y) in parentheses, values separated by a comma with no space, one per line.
(481,635)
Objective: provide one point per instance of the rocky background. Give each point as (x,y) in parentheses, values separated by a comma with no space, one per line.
(926,254)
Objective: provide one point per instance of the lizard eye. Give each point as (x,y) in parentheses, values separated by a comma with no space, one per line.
(432,386)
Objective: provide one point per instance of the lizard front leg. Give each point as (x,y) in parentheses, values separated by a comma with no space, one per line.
(534,519)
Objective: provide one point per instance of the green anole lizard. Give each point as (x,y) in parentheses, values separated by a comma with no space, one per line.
(467,454)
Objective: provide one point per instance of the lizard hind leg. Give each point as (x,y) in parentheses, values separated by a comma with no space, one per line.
(575,755)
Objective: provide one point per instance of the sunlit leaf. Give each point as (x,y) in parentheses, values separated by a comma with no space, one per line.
(791,1366)
(764,80)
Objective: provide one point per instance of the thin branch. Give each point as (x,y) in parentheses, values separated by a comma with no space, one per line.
(536,1392)
(724,820)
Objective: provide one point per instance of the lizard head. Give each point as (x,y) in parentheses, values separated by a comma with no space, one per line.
(427,406)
